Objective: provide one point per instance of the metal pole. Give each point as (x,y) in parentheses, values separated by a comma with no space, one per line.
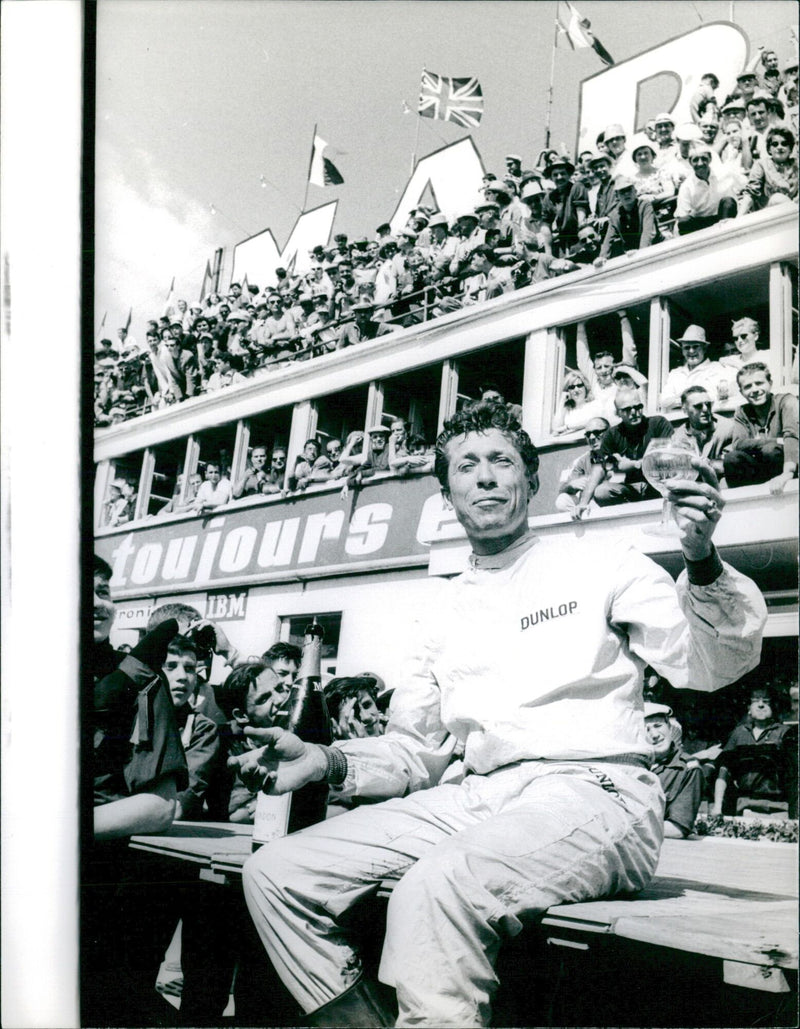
(310,165)
(550,90)
(416,135)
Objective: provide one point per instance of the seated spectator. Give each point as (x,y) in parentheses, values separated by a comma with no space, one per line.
(470,231)
(577,406)
(276,476)
(696,370)
(675,162)
(773,177)
(760,119)
(512,213)
(701,200)
(768,449)
(441,249)
(746,334)
(650,181)
(680,777)
(733,170)
(570,203)
(713,436)
(615,144)
(602,196)
(420,457)
(199,733)
(491,393)
(576,475)
(304,465)
(115,509)
(363,326)
(632,225)
(709,130)
(327,465)
(624,445)
(666,148)
(751,761)
(353,708)
(535,229)
(227,371)
(254,476)
(252,695)
(214,491)
(177,506)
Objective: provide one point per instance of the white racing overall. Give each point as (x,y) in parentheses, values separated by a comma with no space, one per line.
(532,661)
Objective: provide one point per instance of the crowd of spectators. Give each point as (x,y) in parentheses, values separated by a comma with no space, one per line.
(738,154)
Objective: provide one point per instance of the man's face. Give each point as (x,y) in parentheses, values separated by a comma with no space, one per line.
(513,166)
(491,396)
(709,130)
(267,700)
(593,433)
(589,237)
(212,474)
(274,304)
(486,217)
(659,735)
(398,432)
(663,132)
(489,488)
(650,131)
(181,673)
(770,60)
(368,713)
(311,451)
(334,450)
(182,306)
(259,458)
(702,165)
(278,461)
(760,709)
(733,132)
(630,410)
(627,197)
(285,669)
(236,290)
(698,410)
(693,354)
(602,171)
(377,441)
(747,86)
(103,609)
(756,388)
(745,337)
(615,145)
(194,485)
(604,369)
(757,114)
(372,248)
(560,177)
(152,340)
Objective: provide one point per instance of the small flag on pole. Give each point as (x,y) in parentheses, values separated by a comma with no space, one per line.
(323,172)
(456,100)
(128,321)
(577,29)
(170,301)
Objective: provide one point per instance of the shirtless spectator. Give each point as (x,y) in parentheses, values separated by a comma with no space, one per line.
(576,475)
(214,491)
(768,449)
(624,445)
(696,370)
(255,475)
(681,778)
(713,436)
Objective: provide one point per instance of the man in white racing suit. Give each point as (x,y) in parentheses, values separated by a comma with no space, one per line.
(531,662)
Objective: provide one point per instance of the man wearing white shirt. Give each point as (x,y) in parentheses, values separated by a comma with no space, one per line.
(214,491)
(700,199)
(696,370)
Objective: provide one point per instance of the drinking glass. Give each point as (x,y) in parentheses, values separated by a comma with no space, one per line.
(666,459)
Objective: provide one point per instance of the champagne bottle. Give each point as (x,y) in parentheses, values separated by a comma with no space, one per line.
(308,719)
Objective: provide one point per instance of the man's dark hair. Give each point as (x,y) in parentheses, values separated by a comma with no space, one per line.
(754,366)
(782,133)
(490,387)
(288,651)
(232,694)
(480,417)
(161,614)
(712,78)
(339,690)
(690,390)
(602,353)
(101,568)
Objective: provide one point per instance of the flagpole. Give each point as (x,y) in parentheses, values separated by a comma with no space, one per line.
(416,134)
(310,164)
(552,77)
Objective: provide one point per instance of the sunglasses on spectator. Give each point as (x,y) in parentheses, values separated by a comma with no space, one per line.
(704,404)
(593,433)
(741,335)
(633,408)
(575,385)
(700,159)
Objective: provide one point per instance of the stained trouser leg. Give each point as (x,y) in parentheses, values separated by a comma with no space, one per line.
(566,839)
(518,845)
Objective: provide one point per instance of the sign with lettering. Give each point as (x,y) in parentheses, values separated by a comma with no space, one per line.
(386,521)
(226,606)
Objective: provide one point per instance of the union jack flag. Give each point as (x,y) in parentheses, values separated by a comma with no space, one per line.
(457,100)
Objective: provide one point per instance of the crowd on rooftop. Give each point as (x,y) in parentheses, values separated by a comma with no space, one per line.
(737,155)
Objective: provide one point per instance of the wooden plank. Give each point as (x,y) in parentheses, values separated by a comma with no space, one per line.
(749,865)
